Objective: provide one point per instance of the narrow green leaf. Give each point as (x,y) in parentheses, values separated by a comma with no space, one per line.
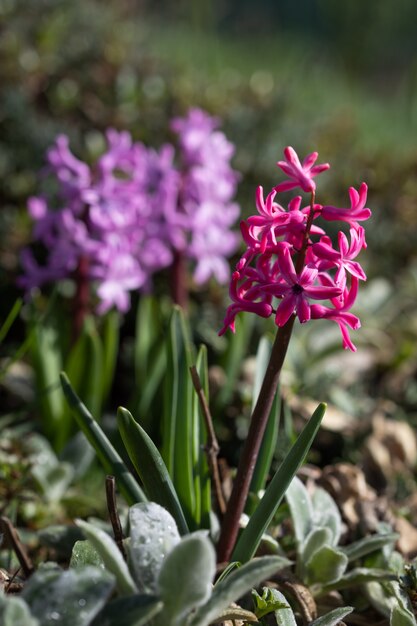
(147,332)
(202,483)
(333,618)
(177,445)
(84,367)
(8,322)
(239,582)
(47,361)
(150,466)
(151,384)
(106,453)
(111,332)
(111,555)
(367,545)
(150,360)
(262,516)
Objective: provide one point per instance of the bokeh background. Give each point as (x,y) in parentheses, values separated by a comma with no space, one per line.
(337,77)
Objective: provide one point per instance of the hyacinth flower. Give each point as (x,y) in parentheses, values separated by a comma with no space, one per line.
(303,276)
(201,222)
(135,211)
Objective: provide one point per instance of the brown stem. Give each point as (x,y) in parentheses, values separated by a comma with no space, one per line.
(212,447)
(12,536)
(179,276)
(113,514)
(82,297)
(259,420)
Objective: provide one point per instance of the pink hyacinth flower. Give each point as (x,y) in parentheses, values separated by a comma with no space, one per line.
(273,220)
(341,314)
(297,289)
(300,174)
(357,212)
(328,257)
(244,298)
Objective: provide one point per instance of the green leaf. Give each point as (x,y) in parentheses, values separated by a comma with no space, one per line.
(84,553)
(131,611)
(150,358)
(111,555)
(71,598)
(365,546)
(47,362)
(270,601)
(400,616)
(357,576)
(315,540)
(54,480)
(262,516)
(327,514)
(153,534)
(185,579)
(84,367)
(333,618)
(106,453)
(150,466)
(326,565)
(202,483)
(177,440)
(111,332)
(147,332)
(239,582)
(284,616)
(15,612)
(383,597)
(301,509)
(8,322)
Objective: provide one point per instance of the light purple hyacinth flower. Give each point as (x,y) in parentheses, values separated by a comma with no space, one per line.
(201,224)
(128,214)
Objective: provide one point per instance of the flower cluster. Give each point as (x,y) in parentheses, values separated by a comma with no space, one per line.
(126,215)
(291,266)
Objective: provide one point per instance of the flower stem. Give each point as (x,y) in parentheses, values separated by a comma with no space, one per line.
(259,420)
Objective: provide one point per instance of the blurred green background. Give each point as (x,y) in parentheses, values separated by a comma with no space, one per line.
(340,78)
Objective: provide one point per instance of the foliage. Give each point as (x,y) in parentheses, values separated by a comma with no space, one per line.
(168,580)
